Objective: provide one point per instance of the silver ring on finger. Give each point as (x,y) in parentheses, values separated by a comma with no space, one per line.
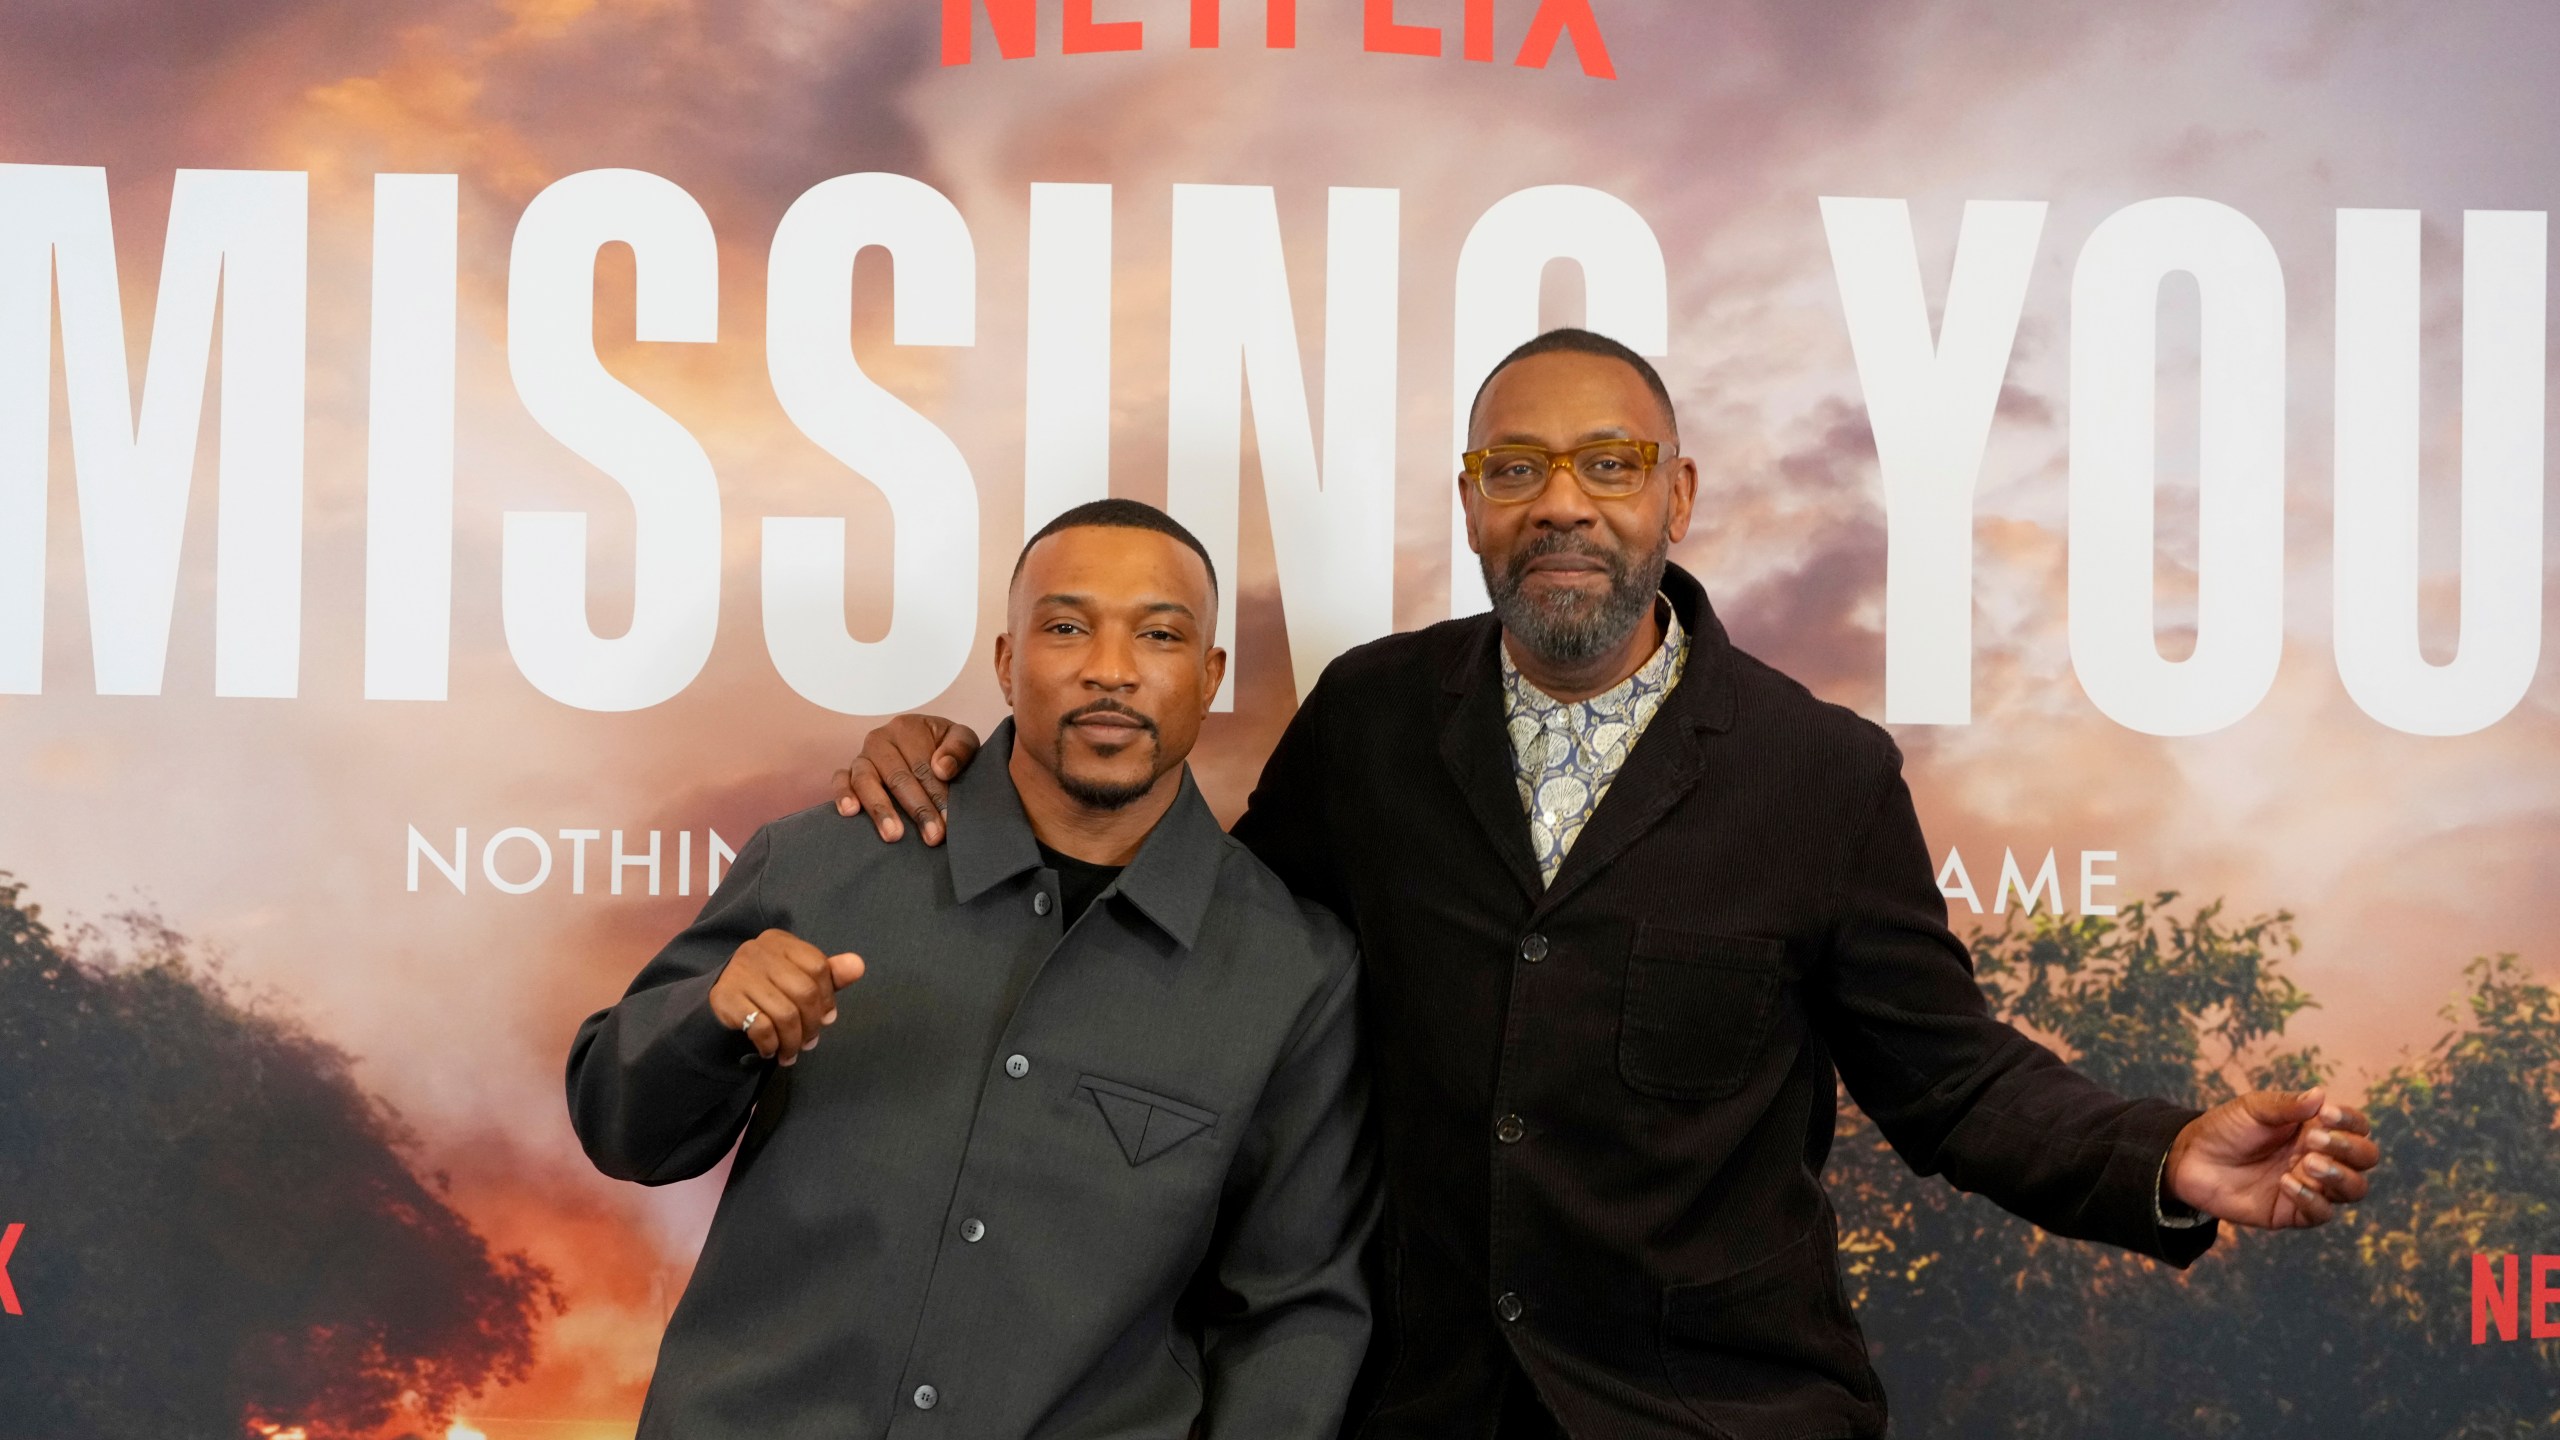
(750,1022)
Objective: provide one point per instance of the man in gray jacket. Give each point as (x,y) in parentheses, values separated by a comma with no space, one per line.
(1087,1156)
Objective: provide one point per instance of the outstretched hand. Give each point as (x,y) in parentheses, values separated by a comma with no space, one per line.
(905,770)
(2273,1159)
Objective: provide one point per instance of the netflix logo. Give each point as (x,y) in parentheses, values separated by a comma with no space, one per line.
(1383,30)
(2497,1288)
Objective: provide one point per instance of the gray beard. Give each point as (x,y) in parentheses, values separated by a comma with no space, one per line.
(1569,629)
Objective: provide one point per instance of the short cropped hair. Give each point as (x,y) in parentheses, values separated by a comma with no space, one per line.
(1116,514)
(1584,342)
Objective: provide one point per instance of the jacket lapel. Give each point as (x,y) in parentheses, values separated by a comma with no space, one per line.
(1477,751)
(1671,754)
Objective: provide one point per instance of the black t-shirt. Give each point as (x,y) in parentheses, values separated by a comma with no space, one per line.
(1080,882)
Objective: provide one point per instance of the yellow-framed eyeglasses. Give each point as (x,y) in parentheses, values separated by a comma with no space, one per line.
(1605,469)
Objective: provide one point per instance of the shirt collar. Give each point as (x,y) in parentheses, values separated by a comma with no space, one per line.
(1171,880)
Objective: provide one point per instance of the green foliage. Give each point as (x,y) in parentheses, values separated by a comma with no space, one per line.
(222,1226)
(1984,1326)
(2146,1003)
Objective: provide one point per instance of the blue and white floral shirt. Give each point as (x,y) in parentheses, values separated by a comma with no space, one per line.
(1567,752)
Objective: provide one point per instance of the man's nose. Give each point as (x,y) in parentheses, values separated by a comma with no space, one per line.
(1562,505)
(1110,663)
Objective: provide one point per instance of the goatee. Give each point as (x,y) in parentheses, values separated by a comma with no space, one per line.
(1103,794)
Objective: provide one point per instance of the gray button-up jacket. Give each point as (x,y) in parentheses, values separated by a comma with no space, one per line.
(1110,1180)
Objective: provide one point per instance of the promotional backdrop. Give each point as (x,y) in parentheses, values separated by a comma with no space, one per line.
(466,463)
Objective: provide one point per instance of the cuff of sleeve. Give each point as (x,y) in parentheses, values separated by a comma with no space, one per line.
(694,1033)
(2169,1212)
(2174,1239)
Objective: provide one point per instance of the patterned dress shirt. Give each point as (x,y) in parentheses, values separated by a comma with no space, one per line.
(1567,751)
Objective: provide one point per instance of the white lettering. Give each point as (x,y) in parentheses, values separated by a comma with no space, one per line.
(1930,403)
(2239,467)
(1235,332)
(933,501)
(1066,404)
(578,840)
(1962,886)
(720,855)
(1955,882)
(2376,562)
(452,869)
(2090,879)
(489,860)
(2047,883)
(675,580)
(240,236)
(622,862)
(408,525)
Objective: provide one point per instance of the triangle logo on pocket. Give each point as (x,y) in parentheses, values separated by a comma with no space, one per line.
(1127,1118)
(1144,1129)
(1164,1131)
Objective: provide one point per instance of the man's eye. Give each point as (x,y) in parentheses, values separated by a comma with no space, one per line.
(1063,627)
(1605,464)
(1512,470)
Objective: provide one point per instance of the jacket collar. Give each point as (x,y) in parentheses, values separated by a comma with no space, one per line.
(1661,770)
(1171,881)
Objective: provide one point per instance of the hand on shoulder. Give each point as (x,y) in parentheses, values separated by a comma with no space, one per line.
(904,772)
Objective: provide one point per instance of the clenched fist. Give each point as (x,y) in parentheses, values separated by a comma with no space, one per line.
(780,990)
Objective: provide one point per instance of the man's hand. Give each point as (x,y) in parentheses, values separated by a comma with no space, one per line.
(906,768)
(2273,1160)
(781,991)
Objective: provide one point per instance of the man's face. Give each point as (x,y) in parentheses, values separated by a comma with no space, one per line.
(1106,659)
(1571,576)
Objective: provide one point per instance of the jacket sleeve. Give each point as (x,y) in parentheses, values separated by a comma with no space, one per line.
(1958,1091)
(1282,1303)
(1285,822)
(658,1088)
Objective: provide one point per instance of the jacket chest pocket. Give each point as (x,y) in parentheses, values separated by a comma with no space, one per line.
(1698,1011)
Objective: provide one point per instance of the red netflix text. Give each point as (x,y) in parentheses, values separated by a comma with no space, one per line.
(2497,1288)
(8,1247)
(1383,30)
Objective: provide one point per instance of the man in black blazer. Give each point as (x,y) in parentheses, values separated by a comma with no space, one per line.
(1629,899)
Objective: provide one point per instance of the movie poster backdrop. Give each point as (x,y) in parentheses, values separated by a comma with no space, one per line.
(464,464)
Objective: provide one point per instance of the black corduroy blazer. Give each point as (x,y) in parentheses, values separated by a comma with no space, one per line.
(1606,1103)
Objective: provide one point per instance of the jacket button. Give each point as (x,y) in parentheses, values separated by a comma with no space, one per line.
(1016,1066)
(1508,1307)
(1533,948)
(1040,903)
(973,1229)
(927,1397)
(1509,1131)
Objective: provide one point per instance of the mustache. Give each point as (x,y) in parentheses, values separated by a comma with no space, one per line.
(1108,706)
(1566,542)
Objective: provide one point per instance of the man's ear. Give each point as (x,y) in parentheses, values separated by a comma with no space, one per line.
(1468,500)
(1684,498)
(1004,667)
(1216,666)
